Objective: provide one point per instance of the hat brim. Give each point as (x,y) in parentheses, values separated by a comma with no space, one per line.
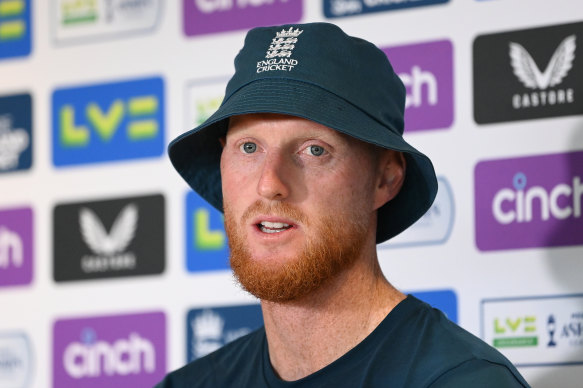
(196,153)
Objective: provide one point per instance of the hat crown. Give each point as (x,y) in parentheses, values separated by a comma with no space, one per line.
(323,55)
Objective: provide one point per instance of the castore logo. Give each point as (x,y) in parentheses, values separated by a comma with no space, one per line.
(109,238)
(527,71)
(527,74)
(109,246)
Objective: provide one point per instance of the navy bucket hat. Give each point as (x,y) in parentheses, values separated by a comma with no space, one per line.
(317,72)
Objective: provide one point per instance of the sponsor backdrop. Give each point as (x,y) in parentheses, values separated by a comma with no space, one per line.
(112,273)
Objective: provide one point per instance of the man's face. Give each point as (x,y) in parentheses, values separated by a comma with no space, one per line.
(299,203)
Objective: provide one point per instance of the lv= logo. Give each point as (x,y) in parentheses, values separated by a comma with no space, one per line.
(107,122)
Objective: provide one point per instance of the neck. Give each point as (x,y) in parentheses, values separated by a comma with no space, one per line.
(306,335)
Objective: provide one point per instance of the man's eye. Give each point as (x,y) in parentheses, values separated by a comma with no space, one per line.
(315,150)
(248,147)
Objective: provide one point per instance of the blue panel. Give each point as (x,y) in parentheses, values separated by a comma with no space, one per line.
(108,122)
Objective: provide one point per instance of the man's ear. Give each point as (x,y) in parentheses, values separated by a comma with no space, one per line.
(392,167)
(223,141)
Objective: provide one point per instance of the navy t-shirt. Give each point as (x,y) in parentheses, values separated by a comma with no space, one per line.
(414,346)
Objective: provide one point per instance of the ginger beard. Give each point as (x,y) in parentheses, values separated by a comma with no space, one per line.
(332,245)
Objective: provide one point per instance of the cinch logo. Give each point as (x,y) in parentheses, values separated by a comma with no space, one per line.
(210,16)
(529,202)
(209,329)
(116,121)
(123,350)
(434,227)
(536,74)
(206,241)
(11,251)
(281,47)
(15,28)
(15,132)
(521,202)
(16,246)
(426,70)
(15,360)
(132,355)
(112,238)
(77,20)
(339,8)
(536,330)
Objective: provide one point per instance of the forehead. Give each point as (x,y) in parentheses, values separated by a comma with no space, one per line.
(274,124)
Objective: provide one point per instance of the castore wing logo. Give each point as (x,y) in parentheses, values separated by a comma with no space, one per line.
(528,73)
(121,234)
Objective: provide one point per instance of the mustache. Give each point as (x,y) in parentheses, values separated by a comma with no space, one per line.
(280,209)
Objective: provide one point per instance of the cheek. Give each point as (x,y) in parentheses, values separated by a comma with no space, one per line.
(355,189)
(229,178)
(236,177)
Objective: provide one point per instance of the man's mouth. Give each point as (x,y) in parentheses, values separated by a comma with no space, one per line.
(273,227)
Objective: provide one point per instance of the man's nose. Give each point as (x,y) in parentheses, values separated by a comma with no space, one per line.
(275,176)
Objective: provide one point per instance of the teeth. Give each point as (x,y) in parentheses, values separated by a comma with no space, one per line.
(273,227)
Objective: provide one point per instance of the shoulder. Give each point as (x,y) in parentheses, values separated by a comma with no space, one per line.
(479,373)
(441,351)
(212,369)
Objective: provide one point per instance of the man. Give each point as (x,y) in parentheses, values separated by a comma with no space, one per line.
(306,158)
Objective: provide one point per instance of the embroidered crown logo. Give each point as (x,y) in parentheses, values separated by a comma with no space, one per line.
(291,33)
(283,43)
